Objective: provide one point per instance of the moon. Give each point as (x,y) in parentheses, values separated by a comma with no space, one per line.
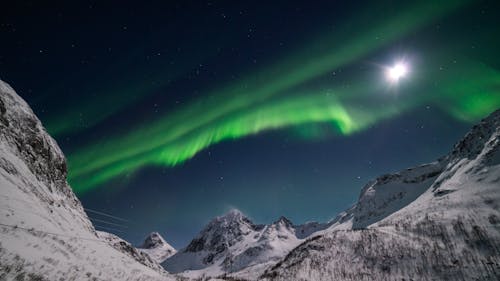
(396,72)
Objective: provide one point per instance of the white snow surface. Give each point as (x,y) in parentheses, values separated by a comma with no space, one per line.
(389,193)
(127,248)
(44,231)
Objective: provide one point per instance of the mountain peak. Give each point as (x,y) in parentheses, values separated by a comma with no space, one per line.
(233,214)
(234,218)
(475,140)
(284,221)
(222,232)
(153,240)
(156,247)
(231,242)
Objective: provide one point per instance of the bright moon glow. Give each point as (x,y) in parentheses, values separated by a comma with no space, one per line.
(397,72)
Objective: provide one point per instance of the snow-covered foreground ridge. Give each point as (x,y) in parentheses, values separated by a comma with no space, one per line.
(439,221)
(44,231)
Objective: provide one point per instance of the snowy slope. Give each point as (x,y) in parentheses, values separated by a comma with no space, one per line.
(389,193)
(233,245)
(157,248)
(44,232)
(127,248)
(450,232)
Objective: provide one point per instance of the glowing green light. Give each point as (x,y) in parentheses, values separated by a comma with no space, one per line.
(264,101)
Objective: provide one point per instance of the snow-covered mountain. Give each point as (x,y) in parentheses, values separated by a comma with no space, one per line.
(233,244)
(439,221)
(156,247)
(44,231)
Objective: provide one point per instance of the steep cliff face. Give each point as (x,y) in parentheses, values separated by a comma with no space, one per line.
(44,231)
(450,231)
(25,136)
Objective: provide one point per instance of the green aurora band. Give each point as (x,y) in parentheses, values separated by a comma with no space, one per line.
(103,103)
(272,99)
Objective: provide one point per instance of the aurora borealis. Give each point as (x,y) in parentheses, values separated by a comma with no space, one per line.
(248,108)
(141,98)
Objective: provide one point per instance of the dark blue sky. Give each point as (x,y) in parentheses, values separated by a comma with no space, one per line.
(61,55)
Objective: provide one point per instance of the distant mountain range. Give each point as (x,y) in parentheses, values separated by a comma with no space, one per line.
(233,243)
(437,221)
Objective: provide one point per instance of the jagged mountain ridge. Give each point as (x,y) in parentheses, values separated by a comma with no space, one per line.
(275,240)
(232,243)
(451,231)
(44,232)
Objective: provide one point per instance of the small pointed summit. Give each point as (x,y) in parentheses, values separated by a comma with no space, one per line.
(156,247)
(284,221)
(153,240)
(232,217)
(233,214)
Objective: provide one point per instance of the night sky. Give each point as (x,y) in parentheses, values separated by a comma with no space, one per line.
(172,113)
